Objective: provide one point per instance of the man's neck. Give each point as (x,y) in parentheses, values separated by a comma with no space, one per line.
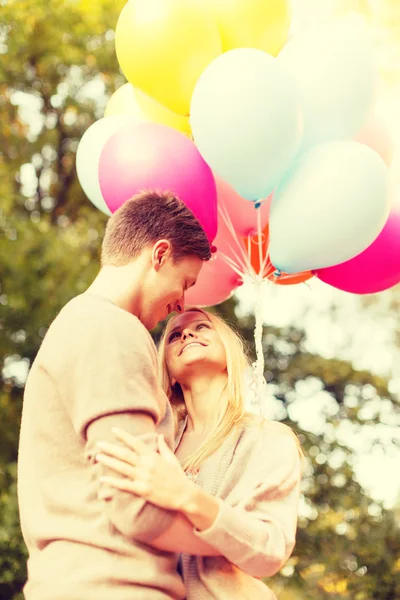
(111,283)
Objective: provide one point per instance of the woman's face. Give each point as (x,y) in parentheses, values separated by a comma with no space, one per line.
(193,346)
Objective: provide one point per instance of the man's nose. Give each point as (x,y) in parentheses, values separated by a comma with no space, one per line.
(180,305)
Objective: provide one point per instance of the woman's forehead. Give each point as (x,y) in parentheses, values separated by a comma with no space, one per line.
(186,318)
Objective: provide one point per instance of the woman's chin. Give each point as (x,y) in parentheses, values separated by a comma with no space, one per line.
(200,365)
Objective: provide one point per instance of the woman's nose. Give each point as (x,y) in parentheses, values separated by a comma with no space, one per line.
(187,333)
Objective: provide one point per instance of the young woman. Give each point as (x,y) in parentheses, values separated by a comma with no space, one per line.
(235,476)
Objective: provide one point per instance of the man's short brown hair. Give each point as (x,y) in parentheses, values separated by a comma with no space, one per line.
(150,216)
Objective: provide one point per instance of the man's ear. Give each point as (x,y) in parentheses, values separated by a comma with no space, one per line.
(161,252)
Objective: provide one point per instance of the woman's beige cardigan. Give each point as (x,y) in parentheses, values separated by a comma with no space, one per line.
(256,475)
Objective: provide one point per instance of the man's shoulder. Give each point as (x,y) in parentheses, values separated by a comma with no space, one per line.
(89,318)
(98,311)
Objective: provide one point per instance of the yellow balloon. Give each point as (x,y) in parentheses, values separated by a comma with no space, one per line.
(163,46)
(261,24)
(126,100)
(158,113)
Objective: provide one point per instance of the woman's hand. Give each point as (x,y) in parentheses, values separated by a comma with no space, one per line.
(158,477)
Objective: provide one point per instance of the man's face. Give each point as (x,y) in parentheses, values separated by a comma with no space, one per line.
(166,287)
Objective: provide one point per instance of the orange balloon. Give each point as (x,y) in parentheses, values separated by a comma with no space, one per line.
(252,247)
(287,279)
(254,252)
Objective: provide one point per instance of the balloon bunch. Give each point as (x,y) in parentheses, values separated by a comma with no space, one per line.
(272,143)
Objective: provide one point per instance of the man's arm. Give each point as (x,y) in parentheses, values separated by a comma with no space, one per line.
(132,516)
(108,370)
(112,382)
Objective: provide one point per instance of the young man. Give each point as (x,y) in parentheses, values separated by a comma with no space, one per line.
(97,369)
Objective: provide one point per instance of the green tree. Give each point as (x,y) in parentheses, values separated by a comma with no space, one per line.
(52,56)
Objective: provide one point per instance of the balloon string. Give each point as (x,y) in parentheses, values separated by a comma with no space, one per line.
(241,267)
(232,264)
(259,235)
(235,259)
(266,262)
(269,270)
(243,258)
(258,380)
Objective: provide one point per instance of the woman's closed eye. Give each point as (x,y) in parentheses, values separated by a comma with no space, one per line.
(177,334)
(173,336)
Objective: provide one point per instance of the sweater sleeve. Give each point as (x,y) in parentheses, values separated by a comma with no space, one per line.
(257,533)
(114,384)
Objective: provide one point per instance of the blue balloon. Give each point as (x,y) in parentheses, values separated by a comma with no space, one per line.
(335,71)
(246,120)
(329,207)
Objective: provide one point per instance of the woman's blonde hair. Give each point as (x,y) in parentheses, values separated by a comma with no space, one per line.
(237,363)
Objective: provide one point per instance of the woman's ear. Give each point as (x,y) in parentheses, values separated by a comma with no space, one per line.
(173,382)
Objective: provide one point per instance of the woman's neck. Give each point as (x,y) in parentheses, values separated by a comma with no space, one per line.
(204,399)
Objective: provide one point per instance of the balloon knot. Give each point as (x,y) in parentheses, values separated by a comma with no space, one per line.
(277,273)
(257,205)
(213,249)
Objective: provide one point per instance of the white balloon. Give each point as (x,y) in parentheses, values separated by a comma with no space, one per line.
(336,74)
(330,207)
(246,120)
(88,155)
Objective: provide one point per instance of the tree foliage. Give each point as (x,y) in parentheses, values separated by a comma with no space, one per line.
(58,66)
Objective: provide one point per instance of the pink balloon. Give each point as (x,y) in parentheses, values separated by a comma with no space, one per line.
(241,212)
(215,284)
(217,280)
(376,135)
(154,156)
(374,270)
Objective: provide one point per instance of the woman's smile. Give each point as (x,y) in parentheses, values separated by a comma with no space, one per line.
(190,345)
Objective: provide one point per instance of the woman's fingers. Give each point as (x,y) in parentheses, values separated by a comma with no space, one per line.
(121,452)
(134,443)
(164,449)
(117,465)
(139,488)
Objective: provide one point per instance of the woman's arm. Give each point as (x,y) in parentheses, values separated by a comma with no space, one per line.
(180,537)
(257,534)
(160,480)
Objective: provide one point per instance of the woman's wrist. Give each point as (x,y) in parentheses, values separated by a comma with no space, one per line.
(200,508)
(189,499)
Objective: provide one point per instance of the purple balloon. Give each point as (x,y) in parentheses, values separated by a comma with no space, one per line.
(157,157)
(374,270)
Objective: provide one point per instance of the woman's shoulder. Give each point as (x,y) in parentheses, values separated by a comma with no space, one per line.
(255,424)
(265,447)
(261,431)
